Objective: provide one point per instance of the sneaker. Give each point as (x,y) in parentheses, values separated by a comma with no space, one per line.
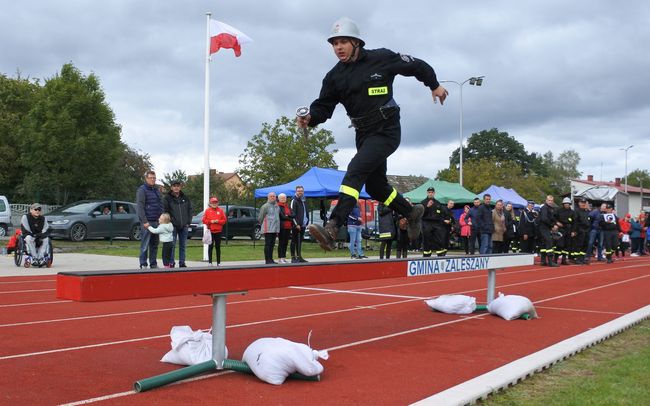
(153,266)
(301,259)
(282,261)
(294,260)
(324,235)
(353,257)
(362,257)
(634,254)
(415,222)
(182,265)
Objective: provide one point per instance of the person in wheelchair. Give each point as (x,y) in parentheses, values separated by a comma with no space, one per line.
(36,235)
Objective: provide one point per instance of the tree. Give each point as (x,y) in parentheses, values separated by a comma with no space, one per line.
(561,170)
(128,173)
(497,146)
(638,177)
(70,139)
(194,190)
(279,154)
(177,175)
(16,99)
(480,174)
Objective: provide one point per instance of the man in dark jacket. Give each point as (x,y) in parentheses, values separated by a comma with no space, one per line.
(608,223)
(565,217)
(362,81)
(474,237)
(528,228)
(433,226)
(547,226)
(298,207)
(179,207)
(149,207)
(449,222)
(582,226)
(485,224)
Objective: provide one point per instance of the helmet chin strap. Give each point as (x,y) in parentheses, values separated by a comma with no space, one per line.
(355,48)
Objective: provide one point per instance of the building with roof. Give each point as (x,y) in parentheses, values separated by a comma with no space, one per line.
(637,198)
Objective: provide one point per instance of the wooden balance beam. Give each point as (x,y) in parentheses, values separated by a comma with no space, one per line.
(222,281)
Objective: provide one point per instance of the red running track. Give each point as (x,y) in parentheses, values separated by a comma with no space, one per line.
(385,346)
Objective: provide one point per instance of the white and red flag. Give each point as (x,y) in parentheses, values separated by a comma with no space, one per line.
(223,35)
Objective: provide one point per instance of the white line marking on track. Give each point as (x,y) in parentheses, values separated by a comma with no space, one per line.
(30,281)
(35,303)
(132,392)
(27,291)
(577,310)
(355,292)
(590,289)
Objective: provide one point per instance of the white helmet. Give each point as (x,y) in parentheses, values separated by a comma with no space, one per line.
(345,27)
(566,200)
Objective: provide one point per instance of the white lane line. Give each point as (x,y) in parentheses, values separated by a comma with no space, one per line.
(35,303)
(26,291)
(578,310)
(30,281)
(591,289)
(355,292)
(132,392)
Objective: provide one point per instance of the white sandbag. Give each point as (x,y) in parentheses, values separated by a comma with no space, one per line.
(511,307)
(453,304)
(189,347)
(273,359)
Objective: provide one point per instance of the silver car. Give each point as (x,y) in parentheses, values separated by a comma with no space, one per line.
(95,219)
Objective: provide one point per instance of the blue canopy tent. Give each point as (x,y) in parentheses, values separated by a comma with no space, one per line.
(505,194)
(318,182)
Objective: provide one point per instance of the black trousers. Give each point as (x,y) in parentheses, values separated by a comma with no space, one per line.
(386,246)
(167,257)
(283,242)
(546,243)
(216,243)
(297,236)
(402,244)
(433,234)
(368,167)
(473,241)
(527,245)
(610,242)
(269,244)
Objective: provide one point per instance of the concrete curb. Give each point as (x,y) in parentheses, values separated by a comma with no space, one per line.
(510,374)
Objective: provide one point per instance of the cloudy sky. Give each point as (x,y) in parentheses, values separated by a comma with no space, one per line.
(558,75)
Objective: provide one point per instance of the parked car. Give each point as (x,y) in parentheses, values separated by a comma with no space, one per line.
(242,221)
(95,218)
(5,216)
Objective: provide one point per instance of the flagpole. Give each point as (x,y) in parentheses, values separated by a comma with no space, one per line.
(206,129)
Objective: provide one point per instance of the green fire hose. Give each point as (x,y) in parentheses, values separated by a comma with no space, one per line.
(241,366)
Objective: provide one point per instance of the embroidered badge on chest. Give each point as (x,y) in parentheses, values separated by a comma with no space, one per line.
(376,76)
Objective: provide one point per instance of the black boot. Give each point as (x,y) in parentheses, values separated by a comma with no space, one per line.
(551,261)
(543,255)
(326,236)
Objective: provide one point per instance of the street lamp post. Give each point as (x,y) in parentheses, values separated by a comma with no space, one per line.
(626,149)
(474,81)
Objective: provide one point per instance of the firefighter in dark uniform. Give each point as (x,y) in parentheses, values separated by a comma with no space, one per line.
(362,81)
(566,226)
(449,221)
(528,221)
(547,225)
(609,226)
(582,226)
(434,229)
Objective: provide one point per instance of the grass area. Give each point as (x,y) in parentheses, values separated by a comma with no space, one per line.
(614,372)
(234,250)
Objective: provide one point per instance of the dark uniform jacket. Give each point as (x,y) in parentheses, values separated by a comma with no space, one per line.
(483,220)
(528,223)
(547,216)
(567,218)
(583,220)
(179,209)
(608,222)
(365,85)
(435,213)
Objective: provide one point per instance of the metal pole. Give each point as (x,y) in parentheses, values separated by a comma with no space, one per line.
(492,281)
(206,129)
(219,329)
(460,177)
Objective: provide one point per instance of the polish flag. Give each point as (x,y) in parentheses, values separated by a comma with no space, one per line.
(224,36)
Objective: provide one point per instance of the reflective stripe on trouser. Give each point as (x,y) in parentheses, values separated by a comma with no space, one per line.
(368,167)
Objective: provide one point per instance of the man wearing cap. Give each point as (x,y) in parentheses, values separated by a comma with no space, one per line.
(547,226)
(36,233)
(179,207)
(528,228)
(433,226)
(582,226)
(149,208)
(566,226)
(362,81)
